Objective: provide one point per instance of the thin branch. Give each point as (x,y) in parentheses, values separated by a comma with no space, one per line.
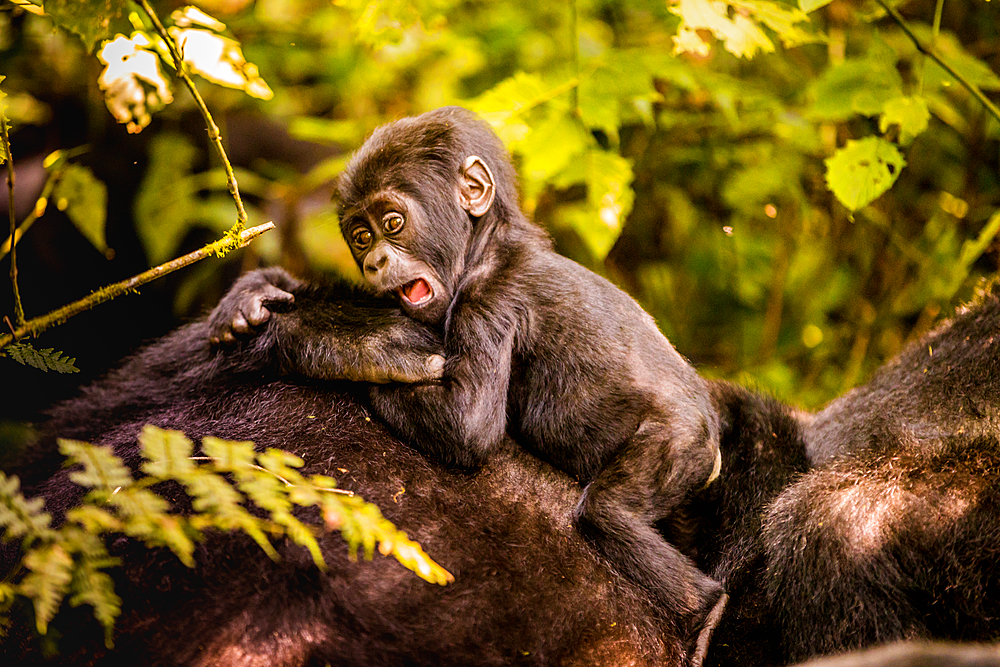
(220,247)
(214,134)
(575,50)
(932,54)
(5,137)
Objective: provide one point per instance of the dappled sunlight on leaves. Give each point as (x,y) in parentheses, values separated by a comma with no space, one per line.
(736,23)
(133,84)
(213,56)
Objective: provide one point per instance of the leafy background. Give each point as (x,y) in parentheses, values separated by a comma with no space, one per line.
(689,150)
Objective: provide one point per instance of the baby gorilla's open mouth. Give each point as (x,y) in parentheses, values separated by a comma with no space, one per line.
(416,292)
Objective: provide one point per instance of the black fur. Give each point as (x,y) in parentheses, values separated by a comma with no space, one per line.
(535,345)
(896,534)
(529,590)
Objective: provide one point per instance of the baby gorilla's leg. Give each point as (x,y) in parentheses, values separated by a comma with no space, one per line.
(649,481)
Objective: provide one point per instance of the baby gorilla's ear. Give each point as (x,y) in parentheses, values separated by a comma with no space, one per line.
(476,186)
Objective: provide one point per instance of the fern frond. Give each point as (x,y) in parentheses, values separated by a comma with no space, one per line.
(20,516)
(44,360)
(102,470)
(167,453)
(50,571)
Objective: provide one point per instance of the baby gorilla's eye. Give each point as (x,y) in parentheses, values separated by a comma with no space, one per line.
(361,237)
(392,222)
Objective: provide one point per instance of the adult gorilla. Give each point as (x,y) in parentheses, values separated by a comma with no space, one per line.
(529,590)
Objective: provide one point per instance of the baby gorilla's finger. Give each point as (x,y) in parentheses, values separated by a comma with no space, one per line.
(239,324)
(435,366)
(258,312)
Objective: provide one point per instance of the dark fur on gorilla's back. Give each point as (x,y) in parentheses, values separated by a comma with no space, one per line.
(896,532)
(528,589)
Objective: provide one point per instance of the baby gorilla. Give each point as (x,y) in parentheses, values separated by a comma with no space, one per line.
(533,344)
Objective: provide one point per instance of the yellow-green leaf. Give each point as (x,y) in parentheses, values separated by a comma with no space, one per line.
(812,5)
(780,18)
(910,113)
(90,19)
(862,170)
(84,199)
(168,453)
(102,470)
(229,456)
(19,515)
(49,575)
(504,106)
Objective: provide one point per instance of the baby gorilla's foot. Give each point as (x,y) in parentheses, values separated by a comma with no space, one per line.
(701,635)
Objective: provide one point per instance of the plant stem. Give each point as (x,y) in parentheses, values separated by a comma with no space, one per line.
(4,136)
(575,35)
(213,130)
(932,54)
(220,247)
(936,30)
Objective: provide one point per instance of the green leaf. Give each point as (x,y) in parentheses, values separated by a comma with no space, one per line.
(856,86)
(165,204)
(167,453)
(504,106)
(50,571)
(102,470)
(283,464)
(90,19)
(780,18)
(301,534)
(8,592)
(608,177)
(215,496)
(862,170)
(265,490)
(94,519)
(910,113)
(92,586)
(20,516)
(556,144)
(229,456)
(812,5)
(44,360)
(145,517)
(84,199)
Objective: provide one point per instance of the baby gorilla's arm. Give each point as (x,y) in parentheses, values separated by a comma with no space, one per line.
(329,332)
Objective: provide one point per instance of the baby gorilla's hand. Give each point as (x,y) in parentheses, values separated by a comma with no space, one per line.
(245,306)
(430,370)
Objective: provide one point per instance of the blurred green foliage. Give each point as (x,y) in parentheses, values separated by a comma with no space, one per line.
(697,179)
